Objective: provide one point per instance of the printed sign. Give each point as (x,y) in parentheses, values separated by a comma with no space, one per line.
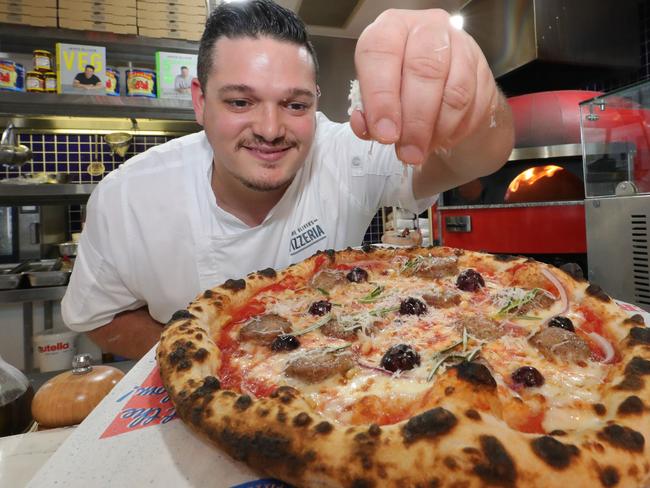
(144,405)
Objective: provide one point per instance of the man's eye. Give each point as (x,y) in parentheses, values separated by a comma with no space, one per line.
(298,107)
(238,103)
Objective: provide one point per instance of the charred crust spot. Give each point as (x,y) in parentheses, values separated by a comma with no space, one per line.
(471,451)
(553,452)
(636,319)
(235,285)
(367,247)
(557,433)
(198,336)
(574,271)
(609,476)
(267,273)
(432,423)
(640,335)
(449,390)
(184,364)
(434,483)
(207,294)
(632,405)
(301,420)
(243,402)
(476,374)
(272,447)
(374,430)
(281,416)
(600,409)
(228,393)
(180,315)
(286,394)
(450,462)
(597,292)
(623,437)
(211,383)
(630,383)
(362,483)
(499,468)
(177,355)
(195,414)
(263,412)
(505,257)
(323,427)
(473,414)
(638,366)
(200,354)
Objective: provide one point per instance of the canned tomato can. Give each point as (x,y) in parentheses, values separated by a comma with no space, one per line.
(50,82)
(35,81)
(42,60)
(112,82)
(140,82)
(12,76)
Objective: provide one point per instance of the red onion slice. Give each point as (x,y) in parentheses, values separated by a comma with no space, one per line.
(605,346)
(560,288)
(374,368)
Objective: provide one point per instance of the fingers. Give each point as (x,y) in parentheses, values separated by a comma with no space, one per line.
(378,58)
(425,70)
(359,126)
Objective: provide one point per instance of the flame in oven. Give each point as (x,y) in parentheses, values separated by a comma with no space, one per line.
(532,175)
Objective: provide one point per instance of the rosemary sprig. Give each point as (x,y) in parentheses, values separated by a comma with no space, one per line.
(373,296)
(316,325)
(382,312)
(333,349)
(448,354)
(324,292)
(514,304)
(412,264)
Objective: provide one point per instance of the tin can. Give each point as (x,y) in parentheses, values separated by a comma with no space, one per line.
(12,76)
(141,82)
(42,60)
(35,81)
(112,82)
(50,82)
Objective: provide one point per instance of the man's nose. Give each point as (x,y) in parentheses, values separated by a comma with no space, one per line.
(269,122)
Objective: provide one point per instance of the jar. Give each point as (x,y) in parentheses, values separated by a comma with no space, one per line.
(50,81)
(42,60)
(35,81)
(16,396)
(12,76)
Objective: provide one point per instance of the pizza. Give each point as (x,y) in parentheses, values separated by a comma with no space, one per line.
(416,367)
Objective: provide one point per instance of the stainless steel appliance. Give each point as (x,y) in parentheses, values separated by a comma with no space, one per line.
(617,189)
(31,232)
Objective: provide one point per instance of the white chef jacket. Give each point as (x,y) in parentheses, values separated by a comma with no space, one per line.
(155,236)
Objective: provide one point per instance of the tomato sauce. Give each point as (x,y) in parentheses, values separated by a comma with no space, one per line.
(533,424)
(592,323)
(361,264)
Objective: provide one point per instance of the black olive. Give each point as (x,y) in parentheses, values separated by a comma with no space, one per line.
(400,357)
(320,307)
(528,376)
(285,342)
(470,280)
(561,322)
(412,306)
(357,275)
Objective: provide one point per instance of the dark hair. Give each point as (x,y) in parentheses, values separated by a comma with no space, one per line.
(184,67)
(90,66)
(254,18)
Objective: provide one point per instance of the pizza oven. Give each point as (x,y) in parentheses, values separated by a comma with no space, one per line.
(534,205)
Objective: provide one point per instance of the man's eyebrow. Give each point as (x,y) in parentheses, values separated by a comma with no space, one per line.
(300,92)
(291,93)
(236,88)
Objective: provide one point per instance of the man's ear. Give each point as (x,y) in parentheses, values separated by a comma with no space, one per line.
(198,100)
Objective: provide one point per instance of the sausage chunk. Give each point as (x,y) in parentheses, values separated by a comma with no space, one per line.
(263,330)
(442,298)
(479,326)
(334,328)
(554,342)
(317,365)
(328,279)
(541,302)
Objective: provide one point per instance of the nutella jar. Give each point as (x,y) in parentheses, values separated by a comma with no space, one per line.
(35,82)
(42,60)
(50,82)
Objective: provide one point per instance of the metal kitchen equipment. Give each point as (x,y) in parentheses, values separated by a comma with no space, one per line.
(30,231)
(13,155)
(119,142)
(615,131)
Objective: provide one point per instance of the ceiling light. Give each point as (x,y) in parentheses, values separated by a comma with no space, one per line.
(457,21)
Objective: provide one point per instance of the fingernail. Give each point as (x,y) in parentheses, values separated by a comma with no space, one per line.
(411,154)
(386,130)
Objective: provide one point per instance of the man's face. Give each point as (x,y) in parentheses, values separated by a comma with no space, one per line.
(89,72)
(185,72)
(258,110)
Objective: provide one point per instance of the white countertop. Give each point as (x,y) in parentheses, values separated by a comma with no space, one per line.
(23,454)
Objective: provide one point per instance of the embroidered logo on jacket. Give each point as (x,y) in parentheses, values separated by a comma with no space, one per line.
(306,236)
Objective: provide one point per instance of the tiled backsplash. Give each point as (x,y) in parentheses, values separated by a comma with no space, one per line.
(71,154)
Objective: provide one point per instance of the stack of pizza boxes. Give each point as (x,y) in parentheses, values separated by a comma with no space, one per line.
(41,13)
(118,16)
(175,19)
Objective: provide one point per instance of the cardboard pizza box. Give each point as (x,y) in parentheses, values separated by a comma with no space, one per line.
(28,20)
(97,26)
(18,4)
(145,16)
(28,10)
(134,439)
(171,34)
(97,5)
(171,7)
(177,3)
(111,17)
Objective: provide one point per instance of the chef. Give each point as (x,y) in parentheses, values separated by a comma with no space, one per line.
(270,180)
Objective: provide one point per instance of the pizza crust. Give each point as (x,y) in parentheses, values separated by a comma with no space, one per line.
(454,444)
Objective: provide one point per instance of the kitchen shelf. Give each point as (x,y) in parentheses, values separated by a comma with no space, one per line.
(66,193)
(25,295)
(545,152)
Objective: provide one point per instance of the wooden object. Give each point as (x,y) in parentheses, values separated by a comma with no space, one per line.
(69,397)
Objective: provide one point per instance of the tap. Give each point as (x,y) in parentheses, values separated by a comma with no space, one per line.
(8,136)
